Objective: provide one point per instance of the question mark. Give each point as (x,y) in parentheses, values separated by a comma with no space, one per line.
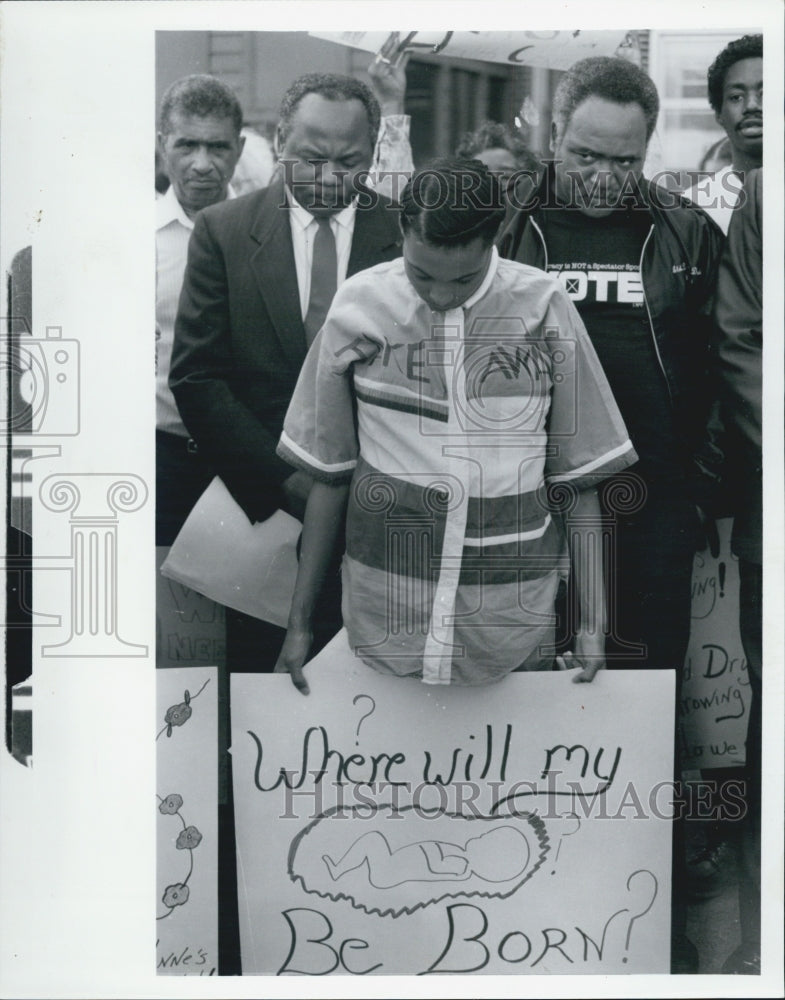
(367,715)
(561,838)
(637,916)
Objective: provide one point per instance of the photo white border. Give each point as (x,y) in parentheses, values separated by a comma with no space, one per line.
(77,842)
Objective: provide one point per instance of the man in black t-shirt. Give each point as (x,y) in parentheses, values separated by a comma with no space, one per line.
(598,261)
(640,266)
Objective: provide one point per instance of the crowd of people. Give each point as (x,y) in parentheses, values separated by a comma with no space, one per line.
(547,370)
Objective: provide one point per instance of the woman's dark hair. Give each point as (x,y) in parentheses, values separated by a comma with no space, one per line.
(494,135)
(451,202)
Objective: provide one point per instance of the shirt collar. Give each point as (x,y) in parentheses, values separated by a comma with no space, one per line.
(303,218)
(168,209)
(486,281)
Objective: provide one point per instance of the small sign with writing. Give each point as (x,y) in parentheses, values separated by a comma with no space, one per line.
(715,698)
(190,628)
(187,821)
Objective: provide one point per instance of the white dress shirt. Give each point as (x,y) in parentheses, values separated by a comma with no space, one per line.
(391,167)
(173,230)
(304,228)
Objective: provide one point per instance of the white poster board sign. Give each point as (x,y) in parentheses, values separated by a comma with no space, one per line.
(716,694)
(187,821)
(385,826)
(551,49)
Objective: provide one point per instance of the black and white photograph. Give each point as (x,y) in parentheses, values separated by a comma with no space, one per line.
(386,501)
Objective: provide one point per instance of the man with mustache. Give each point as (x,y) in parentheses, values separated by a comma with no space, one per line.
(199,149)
(640,266)
(199,144)
(735,80)
(735,86)
(739,316)
(262,270)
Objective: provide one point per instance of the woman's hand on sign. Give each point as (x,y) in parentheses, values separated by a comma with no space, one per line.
(587,659)
(294,653)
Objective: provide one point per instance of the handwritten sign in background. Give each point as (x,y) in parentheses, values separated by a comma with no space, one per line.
(715,698)
(433,872)
(187,821)
(555,49)
(190,628)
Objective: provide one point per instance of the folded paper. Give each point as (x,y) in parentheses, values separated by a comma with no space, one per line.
(249,567)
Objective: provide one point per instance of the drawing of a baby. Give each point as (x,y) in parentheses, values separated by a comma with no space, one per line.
(497,856)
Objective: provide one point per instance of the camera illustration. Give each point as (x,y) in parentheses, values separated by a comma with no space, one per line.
(43,384)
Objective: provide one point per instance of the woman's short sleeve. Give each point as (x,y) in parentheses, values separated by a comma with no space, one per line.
(319,432)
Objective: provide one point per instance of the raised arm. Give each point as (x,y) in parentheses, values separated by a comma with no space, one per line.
(392,163)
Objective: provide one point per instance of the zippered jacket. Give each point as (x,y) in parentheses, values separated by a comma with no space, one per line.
(738,312)
(678,268)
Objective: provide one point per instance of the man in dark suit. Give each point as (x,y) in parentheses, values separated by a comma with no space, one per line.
(261,273)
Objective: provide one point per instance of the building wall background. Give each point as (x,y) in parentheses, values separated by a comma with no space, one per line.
(447,97)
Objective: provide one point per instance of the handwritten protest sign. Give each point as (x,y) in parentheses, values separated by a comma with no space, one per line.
(552,49)
(187,821)
(190,628)
(715,698)
(385,826)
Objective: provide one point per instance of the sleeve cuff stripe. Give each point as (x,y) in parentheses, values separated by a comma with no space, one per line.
(288,447)
(606,459)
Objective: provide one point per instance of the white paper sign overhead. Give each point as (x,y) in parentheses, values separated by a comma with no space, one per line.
(550,49)
(385,826)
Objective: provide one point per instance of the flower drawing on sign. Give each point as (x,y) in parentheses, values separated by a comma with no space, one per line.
(177,893)
(170,805)
(179,714)
(188,839)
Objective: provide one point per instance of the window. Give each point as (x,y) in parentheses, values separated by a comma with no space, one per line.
(687,136)
(446,99)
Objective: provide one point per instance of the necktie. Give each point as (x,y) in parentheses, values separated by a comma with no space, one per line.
(324,281)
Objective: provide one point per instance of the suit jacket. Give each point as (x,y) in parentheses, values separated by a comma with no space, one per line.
(239,338)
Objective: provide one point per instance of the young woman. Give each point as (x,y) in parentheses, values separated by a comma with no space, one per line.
(502,150)
(454,402)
